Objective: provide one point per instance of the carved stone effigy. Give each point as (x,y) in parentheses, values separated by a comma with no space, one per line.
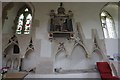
(79,40)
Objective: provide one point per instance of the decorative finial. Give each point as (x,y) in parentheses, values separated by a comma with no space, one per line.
(61,10)
(61,4)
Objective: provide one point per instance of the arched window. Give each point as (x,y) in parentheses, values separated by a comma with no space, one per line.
(108,25)
(24,20)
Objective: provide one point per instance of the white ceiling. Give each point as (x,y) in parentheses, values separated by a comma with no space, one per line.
(59,0)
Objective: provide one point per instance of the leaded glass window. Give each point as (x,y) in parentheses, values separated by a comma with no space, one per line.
(108,25)
(24,21)
(20,24)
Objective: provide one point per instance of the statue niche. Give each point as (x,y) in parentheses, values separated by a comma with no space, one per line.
(61,23)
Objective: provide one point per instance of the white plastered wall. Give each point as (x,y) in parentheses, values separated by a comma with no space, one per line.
(85,13)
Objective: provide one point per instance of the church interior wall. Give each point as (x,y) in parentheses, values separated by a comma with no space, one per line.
(85,13)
